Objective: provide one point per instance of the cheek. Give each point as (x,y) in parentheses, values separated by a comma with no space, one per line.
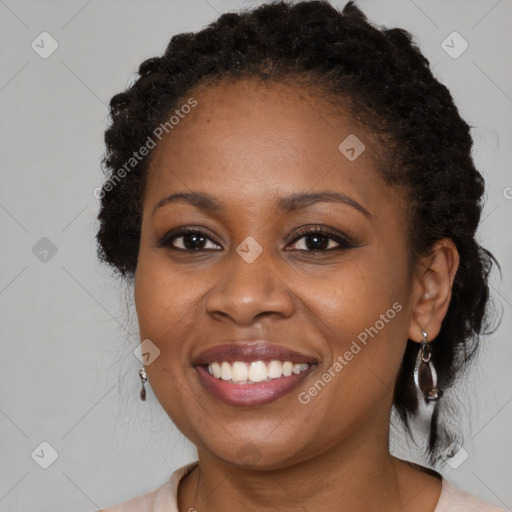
(359,294)
(164,301)
(363,310)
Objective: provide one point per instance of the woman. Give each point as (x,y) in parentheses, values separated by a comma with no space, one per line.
(303,261)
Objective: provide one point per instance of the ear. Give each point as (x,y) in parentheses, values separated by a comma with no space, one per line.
(432,289)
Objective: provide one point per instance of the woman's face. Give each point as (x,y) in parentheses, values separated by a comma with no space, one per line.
(341,300)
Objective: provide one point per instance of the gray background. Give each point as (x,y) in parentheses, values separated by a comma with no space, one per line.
(68,375)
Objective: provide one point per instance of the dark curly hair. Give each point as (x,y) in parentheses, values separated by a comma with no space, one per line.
(385,82)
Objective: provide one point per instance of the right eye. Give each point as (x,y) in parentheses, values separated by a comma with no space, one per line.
(192,240)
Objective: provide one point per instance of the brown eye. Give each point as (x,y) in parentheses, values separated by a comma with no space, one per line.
(321,239)
(192,240)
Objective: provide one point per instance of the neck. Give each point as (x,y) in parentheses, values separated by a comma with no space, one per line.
(358,474)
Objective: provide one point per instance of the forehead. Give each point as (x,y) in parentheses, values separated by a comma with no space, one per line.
(263,139)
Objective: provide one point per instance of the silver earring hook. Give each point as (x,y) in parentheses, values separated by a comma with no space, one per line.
(144,378)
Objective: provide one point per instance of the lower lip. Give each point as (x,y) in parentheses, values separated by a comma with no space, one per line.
(247,395)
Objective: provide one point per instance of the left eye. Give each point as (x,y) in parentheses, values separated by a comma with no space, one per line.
(319,240)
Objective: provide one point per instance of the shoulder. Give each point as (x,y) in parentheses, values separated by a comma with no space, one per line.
(453,499)
(161,499)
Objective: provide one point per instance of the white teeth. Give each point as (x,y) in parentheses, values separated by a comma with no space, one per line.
(275,369)
(239,372)
(297,368)
(255,371)
(287,368)
(225,371)
(216,370)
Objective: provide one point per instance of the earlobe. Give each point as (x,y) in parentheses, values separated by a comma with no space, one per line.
(432,287)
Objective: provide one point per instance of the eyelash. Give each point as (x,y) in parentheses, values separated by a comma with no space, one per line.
(344,241)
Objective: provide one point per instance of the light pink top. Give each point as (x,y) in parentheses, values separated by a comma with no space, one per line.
(164,498)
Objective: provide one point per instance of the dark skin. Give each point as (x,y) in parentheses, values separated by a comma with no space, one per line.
(249,145)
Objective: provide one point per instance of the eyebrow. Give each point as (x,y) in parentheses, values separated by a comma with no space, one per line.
(298,201)
(287,204)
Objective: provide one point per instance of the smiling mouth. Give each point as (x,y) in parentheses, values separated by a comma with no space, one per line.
(244,374)
(241,372)
(241,391)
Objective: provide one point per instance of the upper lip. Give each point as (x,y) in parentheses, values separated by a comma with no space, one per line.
(260,350)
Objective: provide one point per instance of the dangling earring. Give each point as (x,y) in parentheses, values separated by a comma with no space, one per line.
(425,376)
(143,377)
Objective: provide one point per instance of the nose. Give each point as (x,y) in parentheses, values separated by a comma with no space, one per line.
(250,291)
